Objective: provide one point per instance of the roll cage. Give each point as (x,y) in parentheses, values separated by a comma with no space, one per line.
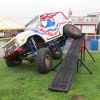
(47,16)
(41,18)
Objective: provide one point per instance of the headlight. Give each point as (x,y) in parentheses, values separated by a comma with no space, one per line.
(15,43)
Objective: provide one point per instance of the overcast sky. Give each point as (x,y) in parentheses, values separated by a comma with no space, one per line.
(30,8)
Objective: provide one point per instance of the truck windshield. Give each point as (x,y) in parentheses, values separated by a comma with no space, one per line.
(32,24)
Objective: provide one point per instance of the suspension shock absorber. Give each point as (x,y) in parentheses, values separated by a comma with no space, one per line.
(33,48)
(33,41)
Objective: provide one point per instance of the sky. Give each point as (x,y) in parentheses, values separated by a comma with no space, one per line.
(30,8)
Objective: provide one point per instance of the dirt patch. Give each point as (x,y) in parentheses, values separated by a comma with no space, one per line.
(76,97)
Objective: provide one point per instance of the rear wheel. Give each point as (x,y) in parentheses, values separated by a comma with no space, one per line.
(72,31)
(16,61)
(44,60)
(56,52)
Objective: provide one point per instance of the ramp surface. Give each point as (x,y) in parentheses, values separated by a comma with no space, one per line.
(63,78)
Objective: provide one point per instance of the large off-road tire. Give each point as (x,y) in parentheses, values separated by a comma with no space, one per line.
(56,52)
(44,60)
(72,31)
(16,61)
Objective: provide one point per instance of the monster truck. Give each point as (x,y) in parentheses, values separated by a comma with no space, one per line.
(41,41)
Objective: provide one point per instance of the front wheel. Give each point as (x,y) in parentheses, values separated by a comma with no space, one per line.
(12,62)
(72,31)
(44,60)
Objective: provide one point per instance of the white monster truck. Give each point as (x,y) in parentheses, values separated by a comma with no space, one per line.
(42,39)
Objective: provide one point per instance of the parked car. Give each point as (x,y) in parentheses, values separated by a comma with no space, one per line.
(41,41)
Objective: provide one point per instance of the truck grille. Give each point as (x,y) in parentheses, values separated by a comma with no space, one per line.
(10,46)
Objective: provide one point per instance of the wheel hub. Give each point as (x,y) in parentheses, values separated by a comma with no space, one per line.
(73,30)
(56,51)
(47,60)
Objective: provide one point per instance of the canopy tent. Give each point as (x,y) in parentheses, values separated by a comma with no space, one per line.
(13,23)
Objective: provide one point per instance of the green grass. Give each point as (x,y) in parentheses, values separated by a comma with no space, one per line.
(26,83)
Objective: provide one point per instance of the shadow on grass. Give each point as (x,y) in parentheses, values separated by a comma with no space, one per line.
(27,67)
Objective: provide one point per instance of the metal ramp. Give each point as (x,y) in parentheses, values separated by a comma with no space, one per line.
(64,76)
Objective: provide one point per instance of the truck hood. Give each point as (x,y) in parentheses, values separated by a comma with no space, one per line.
(22,37)
(25,33)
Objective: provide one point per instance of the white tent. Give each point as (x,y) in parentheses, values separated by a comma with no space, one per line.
(13,23)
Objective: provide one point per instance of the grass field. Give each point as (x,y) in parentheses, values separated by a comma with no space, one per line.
(25,83)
